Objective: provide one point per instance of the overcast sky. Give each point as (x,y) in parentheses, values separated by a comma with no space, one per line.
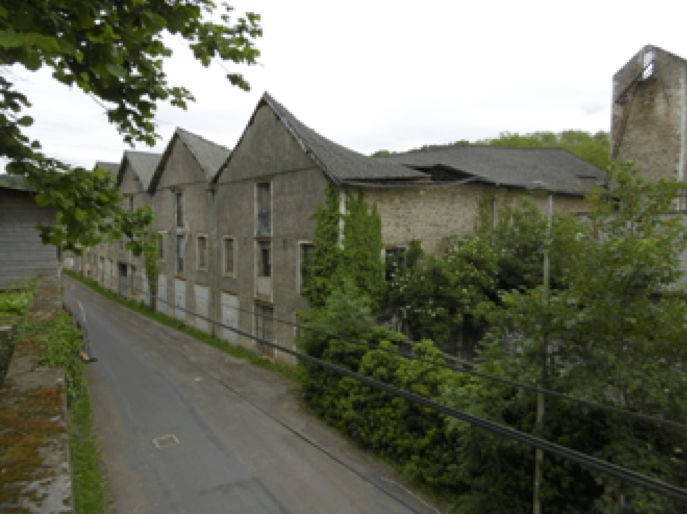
(380,74)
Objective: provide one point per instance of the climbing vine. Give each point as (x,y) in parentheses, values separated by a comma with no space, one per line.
(347,246)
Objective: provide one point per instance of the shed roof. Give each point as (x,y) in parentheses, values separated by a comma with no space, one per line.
(558,169)
(338,162)
(142,163)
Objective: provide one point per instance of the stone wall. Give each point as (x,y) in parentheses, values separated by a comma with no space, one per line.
(431,213)
(648,120)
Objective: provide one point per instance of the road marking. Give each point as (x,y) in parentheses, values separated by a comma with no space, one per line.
(165,440)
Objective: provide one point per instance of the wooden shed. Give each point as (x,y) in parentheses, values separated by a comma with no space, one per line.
(22,253)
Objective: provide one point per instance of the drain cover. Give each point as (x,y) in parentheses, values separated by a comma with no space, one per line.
(165,440)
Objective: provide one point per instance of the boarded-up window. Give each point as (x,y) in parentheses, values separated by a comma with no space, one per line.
(307,252)
(264,328)
(264,209)
(202,252)
(229,249)
(179,208)
(180,254)
(264,258)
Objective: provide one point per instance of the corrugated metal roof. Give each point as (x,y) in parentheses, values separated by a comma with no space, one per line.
(340,163)
(210,156)
(558,169)
(143,165)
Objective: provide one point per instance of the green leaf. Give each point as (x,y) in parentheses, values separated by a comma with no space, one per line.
(11,39)
(116,70)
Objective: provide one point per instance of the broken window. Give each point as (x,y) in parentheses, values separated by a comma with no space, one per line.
(648,70)
(306,255)
(160,247)
(202,252)
(264,328)
(229,249)
(264,258)
(180,254)
(264,209)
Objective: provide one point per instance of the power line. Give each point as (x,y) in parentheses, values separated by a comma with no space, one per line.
(535,389)
(619,472)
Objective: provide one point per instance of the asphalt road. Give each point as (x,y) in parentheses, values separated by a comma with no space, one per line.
(185,428)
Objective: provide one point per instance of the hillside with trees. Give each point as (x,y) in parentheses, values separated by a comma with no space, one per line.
(593,148)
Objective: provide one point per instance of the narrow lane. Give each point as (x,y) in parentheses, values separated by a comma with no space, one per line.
(240,442)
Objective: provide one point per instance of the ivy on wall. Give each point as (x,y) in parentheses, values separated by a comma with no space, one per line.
(347,246)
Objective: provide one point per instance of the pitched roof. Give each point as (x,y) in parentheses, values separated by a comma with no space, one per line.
(338,162)
(558,169)
(112,167)
(142,163)
(210,156)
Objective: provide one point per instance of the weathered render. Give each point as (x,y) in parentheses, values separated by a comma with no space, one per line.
(23,255)
(649,120)
(182,202)
(253,210)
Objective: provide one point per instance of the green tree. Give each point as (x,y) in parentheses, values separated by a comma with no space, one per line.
(612,333)
(114,51)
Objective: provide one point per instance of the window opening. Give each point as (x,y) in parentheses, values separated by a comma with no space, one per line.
(264,328)
(202,252)
(264,258)
(264,221)
(180,254)
(229,255)
(179,207)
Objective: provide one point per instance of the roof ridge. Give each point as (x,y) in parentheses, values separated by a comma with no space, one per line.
(181,129)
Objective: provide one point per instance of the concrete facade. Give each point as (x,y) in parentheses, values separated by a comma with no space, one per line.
(649,120)
(268,157)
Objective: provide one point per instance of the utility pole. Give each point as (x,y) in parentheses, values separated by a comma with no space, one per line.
(541,399)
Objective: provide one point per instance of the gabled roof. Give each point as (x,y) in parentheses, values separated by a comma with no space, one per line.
(143,165)
(209,156)
(338,162)
(558,169)
(112,167)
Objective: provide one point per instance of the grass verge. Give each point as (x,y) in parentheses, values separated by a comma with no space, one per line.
(235,351)
(88,479)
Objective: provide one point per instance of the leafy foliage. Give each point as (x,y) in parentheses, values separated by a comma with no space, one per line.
(15,302)
(352,253)
(113,51)
(60,348)
(413,436)
(610,339)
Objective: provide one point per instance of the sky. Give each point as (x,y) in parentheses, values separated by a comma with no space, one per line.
(377,74)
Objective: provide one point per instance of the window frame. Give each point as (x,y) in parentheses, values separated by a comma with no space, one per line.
(258,186)
(299,270)
(259,258)
(162,235)
(258,321)
(234,251)
(198,253)
(180,253)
